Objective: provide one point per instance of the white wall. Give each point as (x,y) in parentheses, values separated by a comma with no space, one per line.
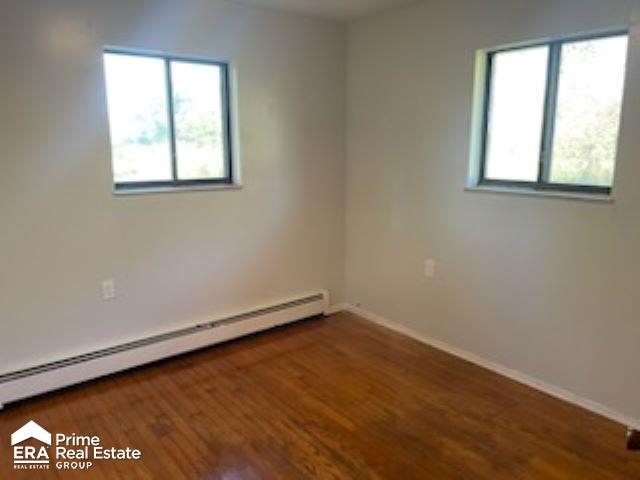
(176,258)
(545,286)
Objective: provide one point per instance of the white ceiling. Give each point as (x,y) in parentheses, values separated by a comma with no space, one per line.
(334,9)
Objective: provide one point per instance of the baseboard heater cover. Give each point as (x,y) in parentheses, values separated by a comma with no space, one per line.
(51,376)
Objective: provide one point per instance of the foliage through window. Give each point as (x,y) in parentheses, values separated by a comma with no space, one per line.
(552,114)
(169,121)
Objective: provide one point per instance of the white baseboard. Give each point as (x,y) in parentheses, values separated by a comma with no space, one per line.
(45,378)
(341,307)
(516,375)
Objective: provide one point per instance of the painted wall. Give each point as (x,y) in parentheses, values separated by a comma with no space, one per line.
(176,258)
(545,286)
(548,287)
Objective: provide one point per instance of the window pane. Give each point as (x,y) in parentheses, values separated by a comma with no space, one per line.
(137,98)
(516,110)
(198,110)
(588,112)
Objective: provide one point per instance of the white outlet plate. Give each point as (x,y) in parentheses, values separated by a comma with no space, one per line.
(430,268)
(108,290)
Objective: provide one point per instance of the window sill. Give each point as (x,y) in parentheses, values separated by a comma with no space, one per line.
(530,192)
(125,192)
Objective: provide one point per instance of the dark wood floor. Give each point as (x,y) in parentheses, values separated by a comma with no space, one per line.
(336,398)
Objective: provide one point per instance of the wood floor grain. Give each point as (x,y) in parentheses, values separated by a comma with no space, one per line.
(335,398)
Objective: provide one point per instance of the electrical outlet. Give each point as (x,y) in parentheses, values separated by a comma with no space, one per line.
(430,268)
(108,290)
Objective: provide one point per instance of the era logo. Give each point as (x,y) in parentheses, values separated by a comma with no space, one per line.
(24,455)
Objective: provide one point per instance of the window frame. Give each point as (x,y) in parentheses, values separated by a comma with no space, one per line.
(545,154)
(176,183)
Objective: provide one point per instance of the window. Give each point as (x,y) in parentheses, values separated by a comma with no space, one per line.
(169,121)
(552,114)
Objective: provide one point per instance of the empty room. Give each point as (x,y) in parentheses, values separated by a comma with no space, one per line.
(320,239)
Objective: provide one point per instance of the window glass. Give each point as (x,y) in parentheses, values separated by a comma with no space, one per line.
(139,124)
(199,127)
(588,112)
(516,111)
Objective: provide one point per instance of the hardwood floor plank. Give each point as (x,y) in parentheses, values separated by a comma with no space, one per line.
(336,398)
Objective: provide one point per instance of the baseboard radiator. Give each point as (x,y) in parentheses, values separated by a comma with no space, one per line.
(51,376)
